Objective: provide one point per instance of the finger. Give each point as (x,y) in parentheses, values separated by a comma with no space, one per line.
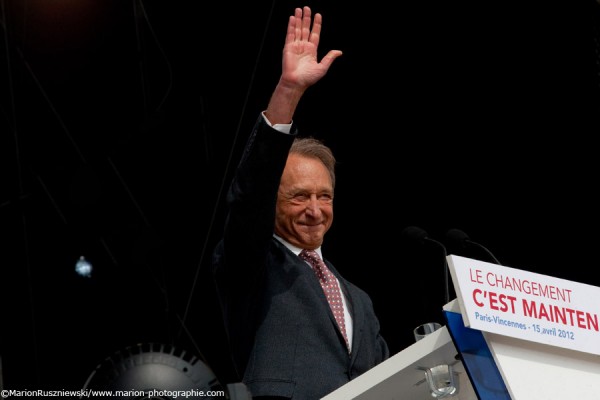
(295,25)
(291,29)
(330,57)
(315,34)
(306,21)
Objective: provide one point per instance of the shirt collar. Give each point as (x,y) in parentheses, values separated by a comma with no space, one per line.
(294,249)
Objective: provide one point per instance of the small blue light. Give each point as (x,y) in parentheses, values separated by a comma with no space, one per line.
(83,267)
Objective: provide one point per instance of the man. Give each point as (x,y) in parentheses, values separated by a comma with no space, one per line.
(284,337)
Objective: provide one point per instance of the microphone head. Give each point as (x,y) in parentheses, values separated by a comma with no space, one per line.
(413,234)
(457,238)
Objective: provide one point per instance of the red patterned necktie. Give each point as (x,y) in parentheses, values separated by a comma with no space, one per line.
(330,287)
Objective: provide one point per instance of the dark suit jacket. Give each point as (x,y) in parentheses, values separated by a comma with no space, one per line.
(283,337)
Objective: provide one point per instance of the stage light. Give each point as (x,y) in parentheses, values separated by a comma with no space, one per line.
(159,371)
(83,267)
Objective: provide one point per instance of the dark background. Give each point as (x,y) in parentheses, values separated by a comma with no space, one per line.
(121,123)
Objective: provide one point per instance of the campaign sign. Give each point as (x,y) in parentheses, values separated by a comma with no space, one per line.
(526,305)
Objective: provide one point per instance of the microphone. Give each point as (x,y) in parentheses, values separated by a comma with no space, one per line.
(461,240)
(418,235)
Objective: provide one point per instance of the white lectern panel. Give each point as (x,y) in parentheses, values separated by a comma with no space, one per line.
(536,371)
(401,377)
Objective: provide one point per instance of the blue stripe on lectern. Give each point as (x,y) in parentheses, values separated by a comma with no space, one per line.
(477,359)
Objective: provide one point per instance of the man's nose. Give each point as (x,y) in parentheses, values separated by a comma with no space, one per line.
(313,208)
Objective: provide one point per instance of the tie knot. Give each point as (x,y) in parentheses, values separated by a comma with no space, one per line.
(311,256)
(318,265)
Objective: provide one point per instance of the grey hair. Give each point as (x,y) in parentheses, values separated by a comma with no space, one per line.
(315,148)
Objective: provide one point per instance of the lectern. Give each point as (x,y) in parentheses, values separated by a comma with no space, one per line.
(509,335)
